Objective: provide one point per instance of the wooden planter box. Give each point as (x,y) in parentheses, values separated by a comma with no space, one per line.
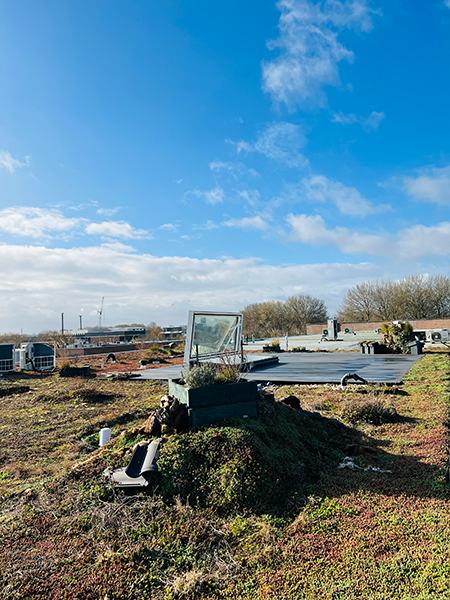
(217,402)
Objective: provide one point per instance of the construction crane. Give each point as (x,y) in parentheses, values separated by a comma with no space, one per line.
(100,313)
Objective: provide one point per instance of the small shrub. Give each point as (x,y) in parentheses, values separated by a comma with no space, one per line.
(373,410)
(201,376)
(229,369)
(157,350)
(397,336)
(228,376)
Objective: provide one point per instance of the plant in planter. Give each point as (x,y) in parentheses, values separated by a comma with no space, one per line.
(201,376)
(214,392)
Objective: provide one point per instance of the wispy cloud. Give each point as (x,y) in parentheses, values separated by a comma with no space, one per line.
(28,221)
(248,223)
(214,196)
(169,226)
(309,48)
(250,196)
(235,169)
(347,199)
(11,164)
(116,229)
(432,185)
(370,123)
(208,226)
(281,142)
(108,212)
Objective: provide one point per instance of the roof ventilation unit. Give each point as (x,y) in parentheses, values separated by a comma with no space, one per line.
(37,356)
(7,358)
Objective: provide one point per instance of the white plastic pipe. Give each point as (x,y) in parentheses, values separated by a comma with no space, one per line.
(105,436)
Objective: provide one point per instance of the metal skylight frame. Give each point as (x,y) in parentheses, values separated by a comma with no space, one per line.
(190,353)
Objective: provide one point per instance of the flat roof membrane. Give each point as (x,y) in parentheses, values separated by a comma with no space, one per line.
(315,368)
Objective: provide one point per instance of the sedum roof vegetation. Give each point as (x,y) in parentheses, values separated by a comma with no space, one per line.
(247,508)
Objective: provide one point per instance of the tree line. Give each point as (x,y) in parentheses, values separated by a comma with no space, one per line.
(410,298)
(274,318)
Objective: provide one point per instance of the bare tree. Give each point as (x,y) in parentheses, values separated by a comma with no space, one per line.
(275,318)
(12,338)
(413,297)
(387,300)
(439,290)
(358,304)
(301,310)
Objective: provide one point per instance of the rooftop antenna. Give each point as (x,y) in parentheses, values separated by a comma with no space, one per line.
(100,313)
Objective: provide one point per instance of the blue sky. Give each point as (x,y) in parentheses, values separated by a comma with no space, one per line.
(171,155)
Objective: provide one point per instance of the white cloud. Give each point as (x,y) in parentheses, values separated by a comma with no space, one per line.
(313,230)
(280,142)
(11,164)
(309,48)
(214,196)
(35,222)
(118,247)
(408,244)
(419,240)
(370,123)
(37,283)
(348,200)
(169,226)
(116,229)
(108,212)
(247,223)
(432,185)
(220,165)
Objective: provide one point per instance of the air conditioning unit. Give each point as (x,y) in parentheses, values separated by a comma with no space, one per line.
(7,358)
(436,336)
(348,330)
(325,332)
(37,356)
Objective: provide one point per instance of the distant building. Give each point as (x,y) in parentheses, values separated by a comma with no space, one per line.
(174,333)
(109,335)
